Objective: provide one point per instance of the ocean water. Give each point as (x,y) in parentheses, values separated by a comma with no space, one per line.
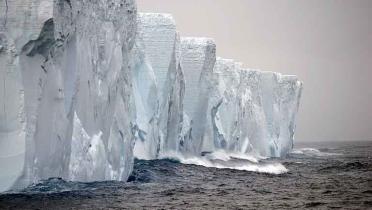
(315,175)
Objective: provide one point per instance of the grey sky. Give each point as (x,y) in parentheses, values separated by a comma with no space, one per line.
(327,43)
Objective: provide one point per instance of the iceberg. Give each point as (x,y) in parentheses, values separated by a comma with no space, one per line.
(86,86)
(66,90)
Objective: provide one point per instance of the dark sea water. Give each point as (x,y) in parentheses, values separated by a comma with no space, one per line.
(330,175)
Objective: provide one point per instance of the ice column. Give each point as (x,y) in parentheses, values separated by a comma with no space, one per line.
(198,56)
(159,82)
(223,104)
(280,100)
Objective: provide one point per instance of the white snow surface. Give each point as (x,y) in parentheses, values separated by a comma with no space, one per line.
(86,86)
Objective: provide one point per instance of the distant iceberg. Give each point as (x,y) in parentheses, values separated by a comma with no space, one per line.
(87,86)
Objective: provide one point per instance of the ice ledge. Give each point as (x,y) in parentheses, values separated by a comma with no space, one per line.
(157,19)
(276,74)
(198,41)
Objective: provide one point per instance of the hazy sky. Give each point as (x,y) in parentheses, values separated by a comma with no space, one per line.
(327,43)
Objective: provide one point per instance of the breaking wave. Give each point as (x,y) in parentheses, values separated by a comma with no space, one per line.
(224,160)
(312,152)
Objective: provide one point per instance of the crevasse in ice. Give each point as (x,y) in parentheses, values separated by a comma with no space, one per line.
(86,86)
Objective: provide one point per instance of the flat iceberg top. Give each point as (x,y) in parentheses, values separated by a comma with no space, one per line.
(226,61)
(227,67)
(231,64)
(290,78)
(156,19)
(276,75)
(221,62)
(198,41)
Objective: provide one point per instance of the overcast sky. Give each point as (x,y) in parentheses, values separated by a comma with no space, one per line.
(327,43)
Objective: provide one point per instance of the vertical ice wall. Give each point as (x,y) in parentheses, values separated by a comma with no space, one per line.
(64,66)
(205,106)
(156,38)
(79,84)
(160,84)
(252,129)
(146,97)
(198,56)
(252,111)
(280,100)
(223,105)
(269,102)
(171,103)
(104,107)
(20,22)
(157,34)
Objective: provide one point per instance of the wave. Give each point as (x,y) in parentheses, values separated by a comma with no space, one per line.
(224,160)
(227,156)
(312,152)
(349,166)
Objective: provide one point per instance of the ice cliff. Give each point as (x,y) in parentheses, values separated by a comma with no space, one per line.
(253,111)
(87,85)
(66,94)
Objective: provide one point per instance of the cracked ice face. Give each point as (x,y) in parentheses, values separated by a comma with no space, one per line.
(66,59)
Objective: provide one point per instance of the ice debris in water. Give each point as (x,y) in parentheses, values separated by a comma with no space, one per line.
(86,86)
